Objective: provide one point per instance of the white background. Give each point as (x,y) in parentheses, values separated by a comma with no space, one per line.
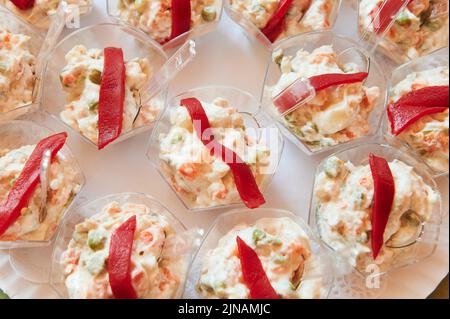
(227,57)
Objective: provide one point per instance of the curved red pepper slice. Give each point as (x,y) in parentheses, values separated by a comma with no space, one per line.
(275,25)
(119,260)
(255,278)
(181,17)
(26,183)
(386,12)
(383,199)
(416,104)
(243,175)
(299,90)
(23,4)
(111,98)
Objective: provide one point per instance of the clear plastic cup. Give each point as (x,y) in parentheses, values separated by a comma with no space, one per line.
(134,45)
(401,43)
(13,24)
(248,106)
(435,60)
(16,134)
(254,31)
(322,269)
(197,31)
(408,250)
(349,51)
(184,246)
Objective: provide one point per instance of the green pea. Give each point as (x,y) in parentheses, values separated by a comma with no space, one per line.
(95,77)
(96,240)
(209,14)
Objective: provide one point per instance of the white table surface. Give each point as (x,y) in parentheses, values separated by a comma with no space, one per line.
(226,57)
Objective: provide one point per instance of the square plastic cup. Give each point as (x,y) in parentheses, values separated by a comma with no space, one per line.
(42,22)
(203,28)
(13,24)
(427,239)
(254,120)
(429,62)
(100,36)
(254,31)
(393,44)
(222,225)
(350,51)
(78,214)
(16,134)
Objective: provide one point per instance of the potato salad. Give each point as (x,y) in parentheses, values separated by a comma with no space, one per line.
(154,17)
(63,187)
(81,79)
(201,179)
(285,253)
(420,29)
(344,196)
(303,16)
(337,114)
(428,137)
(17,71)
(154,274)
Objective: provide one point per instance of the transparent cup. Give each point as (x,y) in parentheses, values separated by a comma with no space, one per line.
(419,245)
(322,269)
(134,45)
(401,43)
(10,22)
(434,60)
(347,50)
(41,20)
(248,106)
(197,31)
(254,31)
(184,245)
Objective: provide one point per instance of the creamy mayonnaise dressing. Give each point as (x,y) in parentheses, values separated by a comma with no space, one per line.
(344,195)
(39,15)
(154,273)
(303,16)
(415,32)
(428,137)
(285,253)
(335,115)
(154,17)
(81,79)
(63,186)
(17,67)
(200,178)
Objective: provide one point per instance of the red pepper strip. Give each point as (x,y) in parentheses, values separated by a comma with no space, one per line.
(383,198)
(413,106)
(26,183)
(119,260)
(255,278)
(181,17)
(23,4)
(112,97)
(383,13)
(243,175)
(274,27)
(298,91)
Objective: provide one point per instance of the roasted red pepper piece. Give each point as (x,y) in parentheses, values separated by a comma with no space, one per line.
(383,199)
(416,104)
(255,278)
(112,97)
(386,10)
(23,4)
(181,17)
(243,175)
(275,25)
(119,260)
(298,91)
(26,183)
